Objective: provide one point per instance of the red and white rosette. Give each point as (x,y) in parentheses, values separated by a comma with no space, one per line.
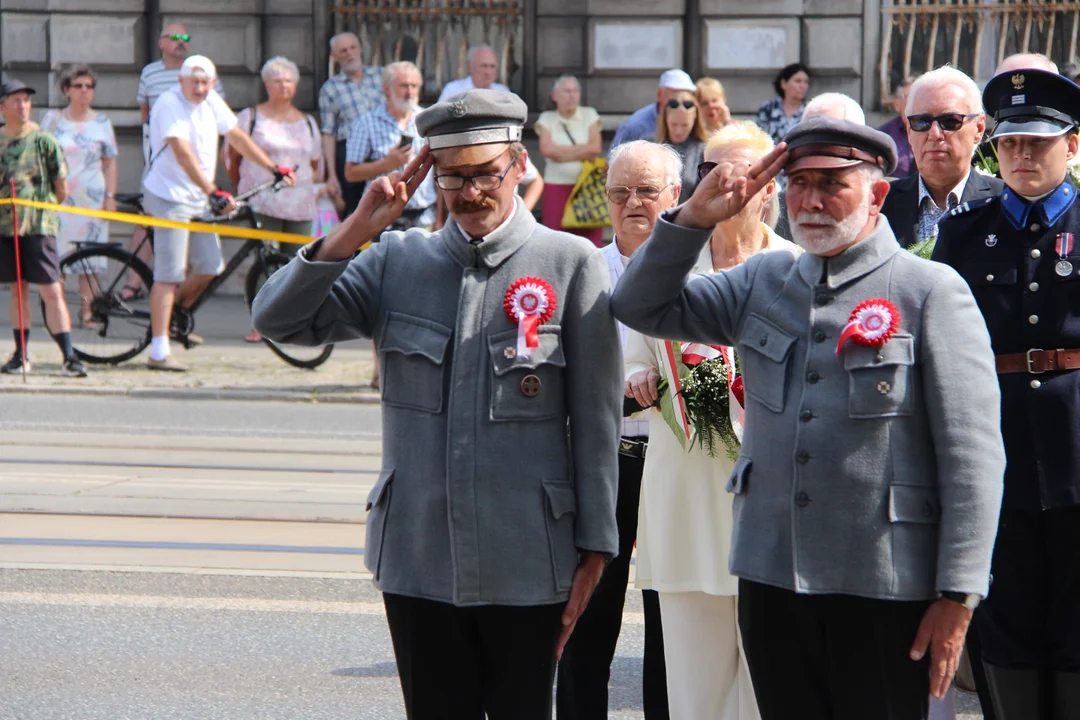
(872,323)
(530,302)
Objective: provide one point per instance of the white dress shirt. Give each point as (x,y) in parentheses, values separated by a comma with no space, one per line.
(636,425)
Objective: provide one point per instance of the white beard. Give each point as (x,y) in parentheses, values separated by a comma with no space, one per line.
(839,233)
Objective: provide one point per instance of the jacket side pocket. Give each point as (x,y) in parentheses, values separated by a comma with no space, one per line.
(561,503)
(378,505)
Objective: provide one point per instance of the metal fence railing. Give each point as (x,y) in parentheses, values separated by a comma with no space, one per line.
(972,35)
(435,34)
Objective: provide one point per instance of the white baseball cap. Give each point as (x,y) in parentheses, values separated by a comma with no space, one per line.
(196,64)
(676,80)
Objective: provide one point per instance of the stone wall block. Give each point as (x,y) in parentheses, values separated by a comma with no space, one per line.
(759,43)
(759,8)
(636,8)
(231,41)
(833,7)
(618,94)
(231,7)
(85,6)
(289,7)
(638,46)
(833,44)
(243,90)
(108,40)
(560,45)
(851,86)
(559,7)
(24,39)
(747,91)
(290,37)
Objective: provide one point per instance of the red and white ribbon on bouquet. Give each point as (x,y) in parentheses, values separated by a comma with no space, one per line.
(530,302)
(872,323)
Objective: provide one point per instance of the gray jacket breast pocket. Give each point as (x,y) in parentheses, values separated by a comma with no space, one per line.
(765,360)
(527,388)
(414,354)
(879,379)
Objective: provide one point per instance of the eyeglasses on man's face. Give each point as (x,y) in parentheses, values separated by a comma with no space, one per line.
(686,104)
(483,183)
(948,122)
(175,37)
(620,194)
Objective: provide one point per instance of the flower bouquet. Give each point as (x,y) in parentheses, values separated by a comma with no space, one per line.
(695,396)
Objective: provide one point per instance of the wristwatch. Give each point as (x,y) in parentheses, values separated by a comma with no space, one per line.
(968,600)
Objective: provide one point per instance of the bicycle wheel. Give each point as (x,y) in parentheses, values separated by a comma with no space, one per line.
(299,356)
(105,328)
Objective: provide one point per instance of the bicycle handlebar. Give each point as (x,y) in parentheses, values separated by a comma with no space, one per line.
(242,199)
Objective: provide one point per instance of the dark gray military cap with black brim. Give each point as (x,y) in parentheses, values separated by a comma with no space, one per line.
(473,127)
(822,142)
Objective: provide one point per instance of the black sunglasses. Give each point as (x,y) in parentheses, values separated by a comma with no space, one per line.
(703,169)
(674,104)
(949,122)
(184,37)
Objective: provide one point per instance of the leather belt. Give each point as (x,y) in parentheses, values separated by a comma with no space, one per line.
(1037,361)
(632,447)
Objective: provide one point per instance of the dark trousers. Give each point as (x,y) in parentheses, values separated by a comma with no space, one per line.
(832,657)
(462,663)
(585,668)
(350,192)
(1031,619)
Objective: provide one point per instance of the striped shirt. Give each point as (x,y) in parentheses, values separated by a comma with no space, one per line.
(636,425)
(156,79)
(375,134)
(343,99)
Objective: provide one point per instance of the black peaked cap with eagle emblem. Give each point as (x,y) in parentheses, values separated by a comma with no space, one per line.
(1032,102)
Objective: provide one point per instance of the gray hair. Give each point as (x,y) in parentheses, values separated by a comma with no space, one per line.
(772,210)
(942,77)
(475,49)
(279,64)
(561,79)
(391,72)
(341,35)
(837,105)
(73,72)
(663,156)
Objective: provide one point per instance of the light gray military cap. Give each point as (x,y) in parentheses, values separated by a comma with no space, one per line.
(473,127)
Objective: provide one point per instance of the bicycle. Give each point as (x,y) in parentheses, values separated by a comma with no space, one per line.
(116,329)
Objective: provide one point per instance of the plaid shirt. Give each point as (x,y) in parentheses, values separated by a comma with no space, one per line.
(375,134)
(343,99)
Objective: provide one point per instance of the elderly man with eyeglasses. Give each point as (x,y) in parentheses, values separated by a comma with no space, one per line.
(494,514)
(945,124)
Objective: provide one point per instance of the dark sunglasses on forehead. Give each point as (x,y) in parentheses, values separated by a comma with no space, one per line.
(705,168)
(674,104)
(184,37)
(949,122)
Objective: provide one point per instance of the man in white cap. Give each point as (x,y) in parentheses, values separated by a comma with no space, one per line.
(642,124)
(494,514)
(184,130)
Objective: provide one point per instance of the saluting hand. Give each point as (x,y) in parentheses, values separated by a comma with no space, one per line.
(720,196)
(942,630)
(382,203)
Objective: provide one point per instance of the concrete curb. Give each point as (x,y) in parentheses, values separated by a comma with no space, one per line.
(190,393)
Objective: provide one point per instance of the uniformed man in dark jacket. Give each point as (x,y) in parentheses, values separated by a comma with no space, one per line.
(1019,254)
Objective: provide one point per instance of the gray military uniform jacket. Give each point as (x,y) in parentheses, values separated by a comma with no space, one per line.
(875,473)
(487,493)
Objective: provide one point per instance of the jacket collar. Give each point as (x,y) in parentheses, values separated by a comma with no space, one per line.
(858,260)
(497,246)
(1051,207)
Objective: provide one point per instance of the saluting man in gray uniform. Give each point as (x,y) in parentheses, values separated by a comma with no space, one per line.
(870,477)
(494,513)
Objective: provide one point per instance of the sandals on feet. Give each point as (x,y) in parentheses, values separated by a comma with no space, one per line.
(132,292)
(253,337)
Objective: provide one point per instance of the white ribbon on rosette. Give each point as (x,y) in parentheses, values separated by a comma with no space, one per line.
(530,302)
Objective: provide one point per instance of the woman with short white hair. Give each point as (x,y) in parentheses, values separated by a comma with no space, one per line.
(291,138)
(685,514)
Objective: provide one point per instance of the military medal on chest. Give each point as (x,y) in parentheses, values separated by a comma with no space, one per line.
(872,323)
(530,302)
(1064,247)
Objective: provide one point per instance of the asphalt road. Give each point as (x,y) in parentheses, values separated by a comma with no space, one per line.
(199,560)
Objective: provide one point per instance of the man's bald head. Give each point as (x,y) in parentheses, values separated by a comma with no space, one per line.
(837,105)
(664,161)
(1025,61)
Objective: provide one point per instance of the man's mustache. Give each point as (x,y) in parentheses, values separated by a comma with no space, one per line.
(809,218)
(461,205)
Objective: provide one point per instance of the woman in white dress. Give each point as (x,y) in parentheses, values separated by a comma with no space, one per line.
(89,144)
(685,515)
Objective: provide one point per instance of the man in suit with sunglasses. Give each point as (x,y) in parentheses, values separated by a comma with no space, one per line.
(945,124)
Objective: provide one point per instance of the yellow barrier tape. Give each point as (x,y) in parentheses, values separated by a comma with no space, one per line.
(147,221)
